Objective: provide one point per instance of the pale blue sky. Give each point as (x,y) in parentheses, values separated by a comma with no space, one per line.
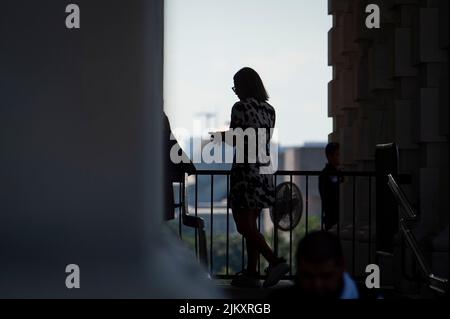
(208,41)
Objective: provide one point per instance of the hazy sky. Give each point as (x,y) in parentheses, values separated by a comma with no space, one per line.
(208,41)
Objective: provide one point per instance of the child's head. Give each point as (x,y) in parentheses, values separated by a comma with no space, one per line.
(333,154)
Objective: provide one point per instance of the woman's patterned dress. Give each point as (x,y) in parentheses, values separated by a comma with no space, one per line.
(248,187)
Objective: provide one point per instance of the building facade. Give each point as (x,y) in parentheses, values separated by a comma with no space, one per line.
(391,85)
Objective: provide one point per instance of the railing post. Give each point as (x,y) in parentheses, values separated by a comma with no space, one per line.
(243,252)
(228,228)
(180,210)
(211,226)
(307,205)
(290,227)
(275,229)
(259,255)
(354,226)
(370,220)
(386,162)
(196,215)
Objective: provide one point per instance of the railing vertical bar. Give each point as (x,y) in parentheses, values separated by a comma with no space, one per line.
(228,228)
(180,209)
(322,224)
(307,206)
(370,220)
(338,225)
(243,252)
(275,228)
(196,215)
(354,227)
(321,217)
(259,255)
(290,226)
(211,226)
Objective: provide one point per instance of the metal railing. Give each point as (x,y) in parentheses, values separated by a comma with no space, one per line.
(347,228)
(408,215)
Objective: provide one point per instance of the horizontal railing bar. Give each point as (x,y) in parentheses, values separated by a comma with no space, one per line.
(318,173)
(212,172)
(288,173)
(230,276)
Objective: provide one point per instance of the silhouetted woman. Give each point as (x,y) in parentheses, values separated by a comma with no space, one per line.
(250,190)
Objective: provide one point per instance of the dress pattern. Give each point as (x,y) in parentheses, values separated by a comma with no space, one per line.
(248,187)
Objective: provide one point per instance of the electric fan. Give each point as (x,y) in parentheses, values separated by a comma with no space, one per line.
(288,208)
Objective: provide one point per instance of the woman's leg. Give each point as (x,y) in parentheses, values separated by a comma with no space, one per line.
(241,218)
(259,240)
(252,256)
(246,222)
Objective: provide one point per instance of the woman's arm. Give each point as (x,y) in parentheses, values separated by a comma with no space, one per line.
(222,137)
(237,115)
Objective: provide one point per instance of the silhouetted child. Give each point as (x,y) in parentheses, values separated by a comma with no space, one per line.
(329,181)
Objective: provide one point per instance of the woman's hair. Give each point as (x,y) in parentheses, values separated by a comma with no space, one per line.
(248,84)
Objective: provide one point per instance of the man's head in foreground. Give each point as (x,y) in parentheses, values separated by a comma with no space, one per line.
(320,265)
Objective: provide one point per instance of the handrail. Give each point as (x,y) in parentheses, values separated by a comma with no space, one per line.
(288,173)
(401,198)
(434,282)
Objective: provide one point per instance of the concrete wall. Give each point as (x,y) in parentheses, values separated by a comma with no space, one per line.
(80,172)
(78,127)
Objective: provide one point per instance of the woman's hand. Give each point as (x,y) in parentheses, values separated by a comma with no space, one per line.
(217,137)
